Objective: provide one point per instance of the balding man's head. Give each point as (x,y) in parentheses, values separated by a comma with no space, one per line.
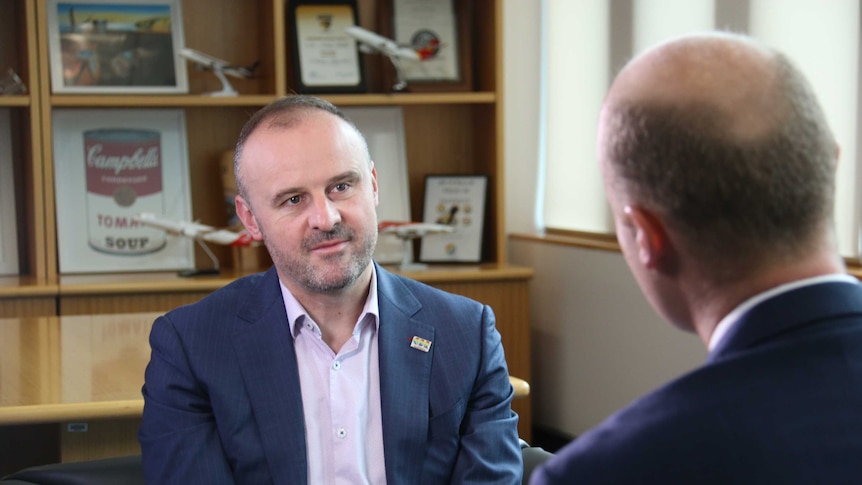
(735,77)
(725,138)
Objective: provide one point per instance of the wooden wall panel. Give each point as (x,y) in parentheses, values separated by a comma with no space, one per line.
(28,307)
(96,304)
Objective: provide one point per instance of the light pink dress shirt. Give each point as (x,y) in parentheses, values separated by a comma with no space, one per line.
(340,397)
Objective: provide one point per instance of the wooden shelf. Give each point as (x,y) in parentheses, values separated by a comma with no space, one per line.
(171,282)
(181,101)
(14,101)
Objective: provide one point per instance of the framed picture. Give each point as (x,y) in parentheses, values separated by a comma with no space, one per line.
(111,165)
(383,129)
(458,201)
(325,58)
(116,46)
(8,222)
(438,28)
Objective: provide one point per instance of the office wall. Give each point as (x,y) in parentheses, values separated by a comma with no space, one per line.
(596,342)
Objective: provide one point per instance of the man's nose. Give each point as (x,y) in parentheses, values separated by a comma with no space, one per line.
(324,215)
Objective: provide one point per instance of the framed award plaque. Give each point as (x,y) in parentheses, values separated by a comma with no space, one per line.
(325,58)
(457,201)
(440,31)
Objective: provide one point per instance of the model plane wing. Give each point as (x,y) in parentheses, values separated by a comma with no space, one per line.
(194,230)
(412,229)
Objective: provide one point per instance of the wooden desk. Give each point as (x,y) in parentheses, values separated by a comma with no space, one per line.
(73,382)
(78,379)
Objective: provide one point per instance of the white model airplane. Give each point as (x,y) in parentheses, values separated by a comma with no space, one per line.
(219,67)
(412,230)
(194,230)
(371,43)
(407,231)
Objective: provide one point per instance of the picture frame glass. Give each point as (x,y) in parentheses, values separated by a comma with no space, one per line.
(383,129)
(439,30)
(117,46)
(457,201)
(111,165)
(8,225)
(432,25)
(325,58)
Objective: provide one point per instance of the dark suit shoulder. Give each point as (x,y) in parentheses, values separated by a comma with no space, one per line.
(225,302)
(786,412)
(394,285)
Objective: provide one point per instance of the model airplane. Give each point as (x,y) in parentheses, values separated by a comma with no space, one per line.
(407,231)
(194,230)
(371,43)
(219,67)
(412,230)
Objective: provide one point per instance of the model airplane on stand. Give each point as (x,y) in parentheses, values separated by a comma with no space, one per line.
(371,43)
(201,233)
(407,232)
(219,68)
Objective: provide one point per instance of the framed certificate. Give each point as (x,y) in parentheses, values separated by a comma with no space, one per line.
(458,201)
(325,58)
(440,31)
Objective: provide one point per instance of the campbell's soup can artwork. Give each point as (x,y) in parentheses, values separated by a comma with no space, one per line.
(124,178)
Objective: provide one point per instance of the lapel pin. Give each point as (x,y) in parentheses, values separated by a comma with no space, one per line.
(419,343)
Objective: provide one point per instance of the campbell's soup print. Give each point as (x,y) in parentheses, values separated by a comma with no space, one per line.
(124,178)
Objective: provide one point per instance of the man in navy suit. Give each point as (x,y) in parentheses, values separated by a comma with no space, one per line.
(327,369)
(719,168)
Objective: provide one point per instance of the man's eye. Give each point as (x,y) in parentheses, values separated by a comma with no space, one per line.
(293,200)
(340,187)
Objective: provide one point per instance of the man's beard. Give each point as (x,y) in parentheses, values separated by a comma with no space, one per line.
(325,279)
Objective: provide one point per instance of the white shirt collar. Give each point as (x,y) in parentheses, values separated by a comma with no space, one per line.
(296,313)
(731,318)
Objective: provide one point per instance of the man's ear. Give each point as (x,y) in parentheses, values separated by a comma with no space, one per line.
(246,216)
(374,184)
(651,239)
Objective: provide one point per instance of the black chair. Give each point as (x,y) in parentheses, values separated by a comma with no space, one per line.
(127,470)
(533,457)
(123,470)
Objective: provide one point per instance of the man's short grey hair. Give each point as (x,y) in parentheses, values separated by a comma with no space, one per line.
(285,112)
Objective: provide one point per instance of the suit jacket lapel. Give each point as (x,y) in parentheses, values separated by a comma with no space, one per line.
(789,312)
(405,379)
(267,359)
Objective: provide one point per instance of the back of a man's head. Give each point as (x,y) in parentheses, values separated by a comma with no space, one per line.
(726,140)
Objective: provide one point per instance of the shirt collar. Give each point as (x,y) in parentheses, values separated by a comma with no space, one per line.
(731,318)
(296,314)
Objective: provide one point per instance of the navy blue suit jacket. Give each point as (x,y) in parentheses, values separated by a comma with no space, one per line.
(778,401)
(222,393)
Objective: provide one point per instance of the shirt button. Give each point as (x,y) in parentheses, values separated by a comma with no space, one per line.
(342,432)
(336,365)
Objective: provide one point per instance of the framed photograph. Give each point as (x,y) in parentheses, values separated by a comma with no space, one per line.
(8,221)
(111,165)
(383,129)
(438,28)
(116,46)
(458,201)
(325,58)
